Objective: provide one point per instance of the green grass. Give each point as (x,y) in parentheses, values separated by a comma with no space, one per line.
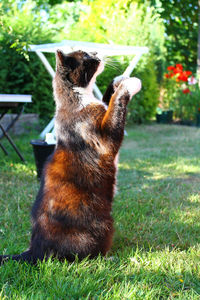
(156,248)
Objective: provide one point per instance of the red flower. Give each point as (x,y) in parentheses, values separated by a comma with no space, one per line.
(186,91)
(170,68)
(179,66)
(178,70)
(183,76)
(188,73)
(199,109)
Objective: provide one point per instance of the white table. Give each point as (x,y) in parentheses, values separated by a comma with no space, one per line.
(7,102)
(103,49)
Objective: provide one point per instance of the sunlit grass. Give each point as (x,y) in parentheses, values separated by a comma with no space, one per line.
(156,248)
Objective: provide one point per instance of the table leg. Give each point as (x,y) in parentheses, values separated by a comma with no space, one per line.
(12,143)
(13,121)
(3,148)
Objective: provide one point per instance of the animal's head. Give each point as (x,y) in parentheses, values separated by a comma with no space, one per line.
(78,67)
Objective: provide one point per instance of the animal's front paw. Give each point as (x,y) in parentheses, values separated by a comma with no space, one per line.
(117,80)
(131,85)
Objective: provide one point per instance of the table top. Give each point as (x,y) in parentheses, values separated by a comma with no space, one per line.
(105,49)
(13,98)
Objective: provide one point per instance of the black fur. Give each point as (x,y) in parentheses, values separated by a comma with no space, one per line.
(72,211)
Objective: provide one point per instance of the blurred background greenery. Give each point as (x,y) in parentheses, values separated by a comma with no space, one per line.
(168,28)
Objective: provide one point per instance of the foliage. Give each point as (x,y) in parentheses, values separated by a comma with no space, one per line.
(62,16)
(187,104)
(123,23)
(142,107)
(180,93)
(181,23)
(22,72)
(127,23)
(113,68)
(173,82)
(29,22)
(156,249)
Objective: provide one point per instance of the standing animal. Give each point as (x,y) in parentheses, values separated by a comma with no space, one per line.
(72,211)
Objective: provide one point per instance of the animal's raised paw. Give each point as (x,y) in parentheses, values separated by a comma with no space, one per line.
(132,85)
(117,80)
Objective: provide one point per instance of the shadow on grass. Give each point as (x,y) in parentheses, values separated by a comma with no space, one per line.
(148,213)
(157,213)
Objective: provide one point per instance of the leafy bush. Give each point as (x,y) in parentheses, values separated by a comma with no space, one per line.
(63,16)
(22,72)
(127,23)
(105,21)
(187,105)
(143,105)
(181,93)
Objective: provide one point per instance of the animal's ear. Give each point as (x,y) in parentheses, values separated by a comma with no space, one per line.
(68,62)
(59,56)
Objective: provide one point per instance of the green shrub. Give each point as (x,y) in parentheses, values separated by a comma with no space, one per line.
(112,69)
(143,105)
(180,93)
(186,106)
(22,72)
(63,16)
(122,22)
(105,21)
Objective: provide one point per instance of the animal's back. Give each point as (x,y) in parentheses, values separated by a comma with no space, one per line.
(74,210)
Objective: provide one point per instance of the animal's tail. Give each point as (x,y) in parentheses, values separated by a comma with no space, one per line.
(25,256)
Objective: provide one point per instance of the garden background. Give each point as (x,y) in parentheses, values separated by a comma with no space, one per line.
(156,246)
(168,28)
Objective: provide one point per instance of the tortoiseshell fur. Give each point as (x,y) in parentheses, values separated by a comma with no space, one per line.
(72,212)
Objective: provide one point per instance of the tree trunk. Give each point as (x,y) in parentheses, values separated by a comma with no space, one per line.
(198,51)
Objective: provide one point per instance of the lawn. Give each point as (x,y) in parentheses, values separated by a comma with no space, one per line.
(156,248)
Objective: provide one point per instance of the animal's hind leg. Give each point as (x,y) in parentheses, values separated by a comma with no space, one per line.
(26,256)
(107,243)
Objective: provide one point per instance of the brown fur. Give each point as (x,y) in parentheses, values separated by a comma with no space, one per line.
(72,212)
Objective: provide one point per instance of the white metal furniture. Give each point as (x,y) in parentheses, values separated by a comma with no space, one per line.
(7,102)
(102,49)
